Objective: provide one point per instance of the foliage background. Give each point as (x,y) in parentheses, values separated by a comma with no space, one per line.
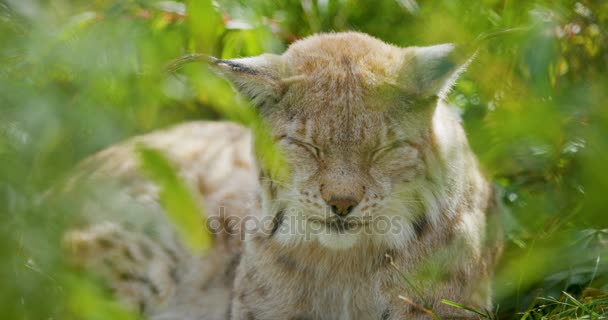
(76,76)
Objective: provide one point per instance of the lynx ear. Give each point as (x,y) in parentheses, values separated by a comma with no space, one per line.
(257,78)
(433,70)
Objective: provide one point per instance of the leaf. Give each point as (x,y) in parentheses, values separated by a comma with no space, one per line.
(212,91)
(87,301)
(176,199)
(205,24)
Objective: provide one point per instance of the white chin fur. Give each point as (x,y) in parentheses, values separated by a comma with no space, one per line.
(338,241)
(330,239)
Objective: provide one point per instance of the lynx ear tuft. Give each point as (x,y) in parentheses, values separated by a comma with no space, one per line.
(436,68)
(257,78)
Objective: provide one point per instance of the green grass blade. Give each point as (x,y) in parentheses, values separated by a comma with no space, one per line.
(408,281)
(461,306)
(580,305)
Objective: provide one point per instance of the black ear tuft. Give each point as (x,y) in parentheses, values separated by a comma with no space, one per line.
(257,78)
(234,66)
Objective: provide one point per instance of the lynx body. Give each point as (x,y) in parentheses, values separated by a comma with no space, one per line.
(379,177)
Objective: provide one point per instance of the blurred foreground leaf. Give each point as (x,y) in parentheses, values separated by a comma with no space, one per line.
(176,199)
(212,90)
(87,301)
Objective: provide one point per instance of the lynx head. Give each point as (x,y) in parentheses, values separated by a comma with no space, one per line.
(353,116)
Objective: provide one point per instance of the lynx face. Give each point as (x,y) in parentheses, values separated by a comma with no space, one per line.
(354,117)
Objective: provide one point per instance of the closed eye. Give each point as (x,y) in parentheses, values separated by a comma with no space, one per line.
(379,152)
(316,151)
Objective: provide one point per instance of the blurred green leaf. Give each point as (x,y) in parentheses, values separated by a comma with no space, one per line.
(176,199)
(86,301)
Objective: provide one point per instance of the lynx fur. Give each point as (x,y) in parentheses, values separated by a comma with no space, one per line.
(380,177)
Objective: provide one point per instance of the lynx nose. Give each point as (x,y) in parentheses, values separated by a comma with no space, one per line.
(342,206)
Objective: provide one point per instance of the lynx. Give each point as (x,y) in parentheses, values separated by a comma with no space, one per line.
(381,185)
